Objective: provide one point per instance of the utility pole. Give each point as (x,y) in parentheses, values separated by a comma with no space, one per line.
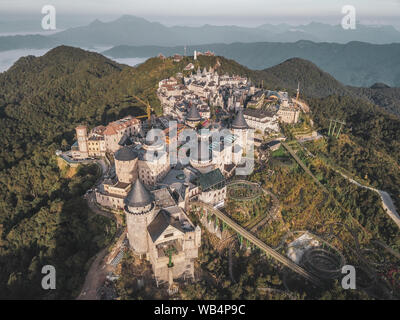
(341,125)
(331,132)
(334,127)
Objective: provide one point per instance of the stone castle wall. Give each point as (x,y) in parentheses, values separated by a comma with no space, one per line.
(127,171)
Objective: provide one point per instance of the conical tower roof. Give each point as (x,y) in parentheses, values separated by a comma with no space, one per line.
(126,154)
(193,114)
(239,122)
(139,196)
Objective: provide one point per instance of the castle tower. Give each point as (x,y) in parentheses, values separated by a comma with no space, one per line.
(81,135)
(126,164)
(193,117)
(239,129)
(139,211)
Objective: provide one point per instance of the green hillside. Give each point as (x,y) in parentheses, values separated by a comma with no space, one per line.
(353,63)
(381,95)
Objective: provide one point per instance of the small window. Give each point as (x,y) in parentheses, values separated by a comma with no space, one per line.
(169,235)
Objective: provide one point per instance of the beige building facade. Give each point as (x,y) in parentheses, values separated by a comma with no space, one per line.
(288,114)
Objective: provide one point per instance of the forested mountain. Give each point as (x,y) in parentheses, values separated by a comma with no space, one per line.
(313,81)
(355,63)
(43,218)
(374,129)
(382,95)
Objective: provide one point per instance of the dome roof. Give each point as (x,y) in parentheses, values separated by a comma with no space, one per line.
(125,154)
(193,114)
(239,122)
(139,196)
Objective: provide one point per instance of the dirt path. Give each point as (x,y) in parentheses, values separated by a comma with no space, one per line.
(95,277)
(99,269)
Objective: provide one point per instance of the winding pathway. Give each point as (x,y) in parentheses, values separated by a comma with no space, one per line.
(387,202)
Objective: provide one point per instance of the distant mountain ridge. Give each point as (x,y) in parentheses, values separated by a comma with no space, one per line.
(132,30)
(355,63)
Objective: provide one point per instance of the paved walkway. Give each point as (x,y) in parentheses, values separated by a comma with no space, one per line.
(317,137)
(387,201)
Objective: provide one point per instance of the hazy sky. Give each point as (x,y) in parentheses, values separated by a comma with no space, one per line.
(195,12)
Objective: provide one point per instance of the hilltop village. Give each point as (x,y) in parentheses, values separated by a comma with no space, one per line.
(262,109)
(154,193)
